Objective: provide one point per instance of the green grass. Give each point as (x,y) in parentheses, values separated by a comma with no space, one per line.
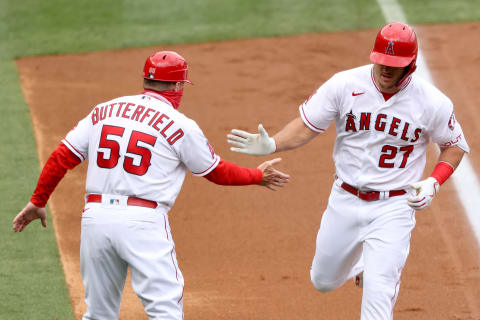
(31,278)
(51,27)
(32,27)
(434,11)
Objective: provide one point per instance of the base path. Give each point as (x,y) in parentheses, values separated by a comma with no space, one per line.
(246,252)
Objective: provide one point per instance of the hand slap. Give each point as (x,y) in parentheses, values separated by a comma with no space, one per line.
(272,178)
(426,190)
(257,144)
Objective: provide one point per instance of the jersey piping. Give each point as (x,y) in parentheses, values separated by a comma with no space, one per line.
(204,172)
(308,122)
(72,148)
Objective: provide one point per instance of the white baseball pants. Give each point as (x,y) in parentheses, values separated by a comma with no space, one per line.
(115,239)
(369,236)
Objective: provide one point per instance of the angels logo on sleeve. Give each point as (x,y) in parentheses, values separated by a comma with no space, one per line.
(451,121)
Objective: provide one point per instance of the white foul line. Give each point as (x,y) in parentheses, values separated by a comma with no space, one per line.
(464,179)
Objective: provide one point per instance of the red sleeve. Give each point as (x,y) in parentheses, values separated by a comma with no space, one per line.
(229,174)
(53,171)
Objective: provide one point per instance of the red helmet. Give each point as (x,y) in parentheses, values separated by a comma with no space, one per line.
(395,46)
(166,66)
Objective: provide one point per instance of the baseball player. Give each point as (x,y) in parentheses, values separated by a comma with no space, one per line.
(384,118)
(138,149)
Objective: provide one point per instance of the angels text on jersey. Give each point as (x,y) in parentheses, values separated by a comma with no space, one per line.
(392,125)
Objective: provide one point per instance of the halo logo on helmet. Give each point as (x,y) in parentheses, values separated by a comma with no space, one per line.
(396,46)
(166,66)
(389,49)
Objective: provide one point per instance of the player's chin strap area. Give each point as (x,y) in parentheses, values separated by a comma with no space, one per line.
(403,82)
(369,195)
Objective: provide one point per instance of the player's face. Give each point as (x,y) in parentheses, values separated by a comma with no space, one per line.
(386,77)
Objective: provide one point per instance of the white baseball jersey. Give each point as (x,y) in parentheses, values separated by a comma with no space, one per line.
(381,145)
(140,146)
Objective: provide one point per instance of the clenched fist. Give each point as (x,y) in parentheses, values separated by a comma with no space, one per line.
(426,190)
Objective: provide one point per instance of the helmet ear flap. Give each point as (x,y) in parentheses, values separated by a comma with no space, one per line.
(408,71)
(412,67)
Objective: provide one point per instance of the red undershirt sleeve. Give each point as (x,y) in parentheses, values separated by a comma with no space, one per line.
(229,174)
(53,171)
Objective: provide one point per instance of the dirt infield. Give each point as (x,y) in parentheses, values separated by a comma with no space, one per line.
(245,252)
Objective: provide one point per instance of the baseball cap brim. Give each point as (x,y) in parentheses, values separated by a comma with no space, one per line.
(389,60)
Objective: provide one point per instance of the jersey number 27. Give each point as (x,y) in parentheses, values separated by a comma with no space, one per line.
(390,152)
(133,148)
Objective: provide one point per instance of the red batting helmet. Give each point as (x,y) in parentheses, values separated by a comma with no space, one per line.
(166,66)
(395,46)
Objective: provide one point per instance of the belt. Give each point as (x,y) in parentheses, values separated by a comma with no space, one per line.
(372,195)
(131,201)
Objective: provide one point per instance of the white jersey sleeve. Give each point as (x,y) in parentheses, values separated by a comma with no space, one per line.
(321,108)
(196,152)
(446,131)
(78,138)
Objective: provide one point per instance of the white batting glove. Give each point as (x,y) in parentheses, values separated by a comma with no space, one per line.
(256,144)
(426,190)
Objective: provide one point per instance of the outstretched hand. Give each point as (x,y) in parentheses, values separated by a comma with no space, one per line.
(272,178)
(27,215)
(256,144)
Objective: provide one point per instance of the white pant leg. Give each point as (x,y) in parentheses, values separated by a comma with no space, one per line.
(339,245)
(103,271)
(156,279)
(386,248)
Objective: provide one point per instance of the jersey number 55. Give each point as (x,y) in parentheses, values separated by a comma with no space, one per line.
(132,148)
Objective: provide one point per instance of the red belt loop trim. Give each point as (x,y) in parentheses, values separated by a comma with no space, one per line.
(131,201)
(372,195)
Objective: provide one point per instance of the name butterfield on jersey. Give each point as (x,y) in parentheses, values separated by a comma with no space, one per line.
(158,121)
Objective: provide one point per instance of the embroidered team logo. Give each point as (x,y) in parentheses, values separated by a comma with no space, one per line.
(389,49)
(351,116)
(350,122)
(451,122)
(151,72)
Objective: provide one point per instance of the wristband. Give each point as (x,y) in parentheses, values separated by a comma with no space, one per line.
(443,170)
